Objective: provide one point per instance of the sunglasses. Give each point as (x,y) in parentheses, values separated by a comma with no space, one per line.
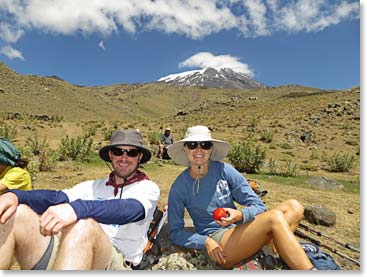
(206,145)
(129,152)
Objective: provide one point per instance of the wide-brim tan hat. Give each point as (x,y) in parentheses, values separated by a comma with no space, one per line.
(198,133)
(129,137)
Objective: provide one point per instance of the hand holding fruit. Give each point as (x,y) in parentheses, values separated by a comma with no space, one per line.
(227,216)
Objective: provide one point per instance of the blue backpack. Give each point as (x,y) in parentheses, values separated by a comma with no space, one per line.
(319,259)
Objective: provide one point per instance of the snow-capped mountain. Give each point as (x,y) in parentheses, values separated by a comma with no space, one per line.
(212,77)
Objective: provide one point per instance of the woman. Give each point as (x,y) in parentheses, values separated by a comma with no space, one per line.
(207,184)
(13,174)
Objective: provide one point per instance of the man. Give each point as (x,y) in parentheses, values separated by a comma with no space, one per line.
(99,224)
(166,140)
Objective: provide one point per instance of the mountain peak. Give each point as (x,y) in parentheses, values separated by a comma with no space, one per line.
(223,77)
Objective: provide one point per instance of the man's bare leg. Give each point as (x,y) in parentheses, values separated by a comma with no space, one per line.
(21,237)
(83,245)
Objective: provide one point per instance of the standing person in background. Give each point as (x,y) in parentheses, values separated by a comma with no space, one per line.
(97,224)
(13,173)
(208,184)
(166,140)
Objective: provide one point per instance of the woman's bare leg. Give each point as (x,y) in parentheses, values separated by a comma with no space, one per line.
(293,212)
(243,241)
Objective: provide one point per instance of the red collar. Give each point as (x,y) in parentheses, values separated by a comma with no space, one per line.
(138,176)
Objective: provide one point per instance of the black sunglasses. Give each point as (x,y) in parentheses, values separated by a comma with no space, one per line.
(129,152)
(206,145)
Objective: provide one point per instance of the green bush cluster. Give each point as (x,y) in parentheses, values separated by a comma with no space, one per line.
(76,149)
(8,132)
(285,169)
(247,157)
(340,162)
(41,157)
(267,136)
(154,137)
(107,132)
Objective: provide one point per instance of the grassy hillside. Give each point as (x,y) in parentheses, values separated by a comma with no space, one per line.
(47,109)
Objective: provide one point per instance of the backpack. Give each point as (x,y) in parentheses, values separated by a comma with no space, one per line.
(319,259)
(152,250)
(9,154)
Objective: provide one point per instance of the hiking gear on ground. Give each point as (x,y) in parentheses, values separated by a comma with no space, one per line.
(255,185)
(319,259)
(198,133)
(9,154)
(346,245)
(318,243)
(152,250)
(129,137)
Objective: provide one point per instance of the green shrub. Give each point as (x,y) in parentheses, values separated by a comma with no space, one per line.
(267,136)
(246,157)
(41,156)
(286,169)
(8,132)
(341,162)
(90,130)
(286,145)
(107,132)
(76,149)
(154,137)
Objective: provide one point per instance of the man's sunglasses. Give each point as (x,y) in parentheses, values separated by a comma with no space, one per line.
(206,145)
(129,152)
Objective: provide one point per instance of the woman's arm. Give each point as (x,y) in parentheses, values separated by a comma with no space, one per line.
(244,194)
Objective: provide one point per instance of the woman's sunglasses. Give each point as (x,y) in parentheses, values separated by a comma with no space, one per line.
(129,152)
(206,145)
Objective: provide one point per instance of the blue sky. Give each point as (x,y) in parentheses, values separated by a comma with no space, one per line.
(313,43)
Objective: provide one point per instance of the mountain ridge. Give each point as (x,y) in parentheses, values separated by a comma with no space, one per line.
(225,78)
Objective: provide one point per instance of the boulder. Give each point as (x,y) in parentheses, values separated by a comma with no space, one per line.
(324,183)
(320,215)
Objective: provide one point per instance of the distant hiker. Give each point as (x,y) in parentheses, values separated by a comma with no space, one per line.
(13,173)
(208,184)
(165,141)
(100,224)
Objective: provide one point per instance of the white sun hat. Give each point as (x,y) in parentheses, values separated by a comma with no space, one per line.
(198,133)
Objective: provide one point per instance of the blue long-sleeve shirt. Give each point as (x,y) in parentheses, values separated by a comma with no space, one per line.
(222,186)
(114,211)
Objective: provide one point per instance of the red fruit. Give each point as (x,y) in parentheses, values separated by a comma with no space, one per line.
(219,213)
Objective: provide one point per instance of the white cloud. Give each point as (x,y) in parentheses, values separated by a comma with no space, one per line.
(101,45)
(206,59)
(11,53)
(314,15)
(192,18)
(10,33)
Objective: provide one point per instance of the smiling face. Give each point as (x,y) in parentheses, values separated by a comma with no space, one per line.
(124,165)
(198,156)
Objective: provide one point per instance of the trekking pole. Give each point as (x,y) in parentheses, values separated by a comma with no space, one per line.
(346,245)
(333,250)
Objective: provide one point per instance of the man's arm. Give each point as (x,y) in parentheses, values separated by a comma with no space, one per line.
(40,200)
(114,211)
